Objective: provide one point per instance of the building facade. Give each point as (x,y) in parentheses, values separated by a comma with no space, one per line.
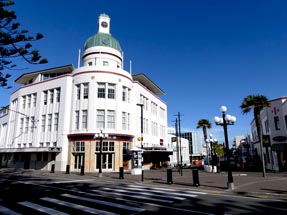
(274,127)
(57,115)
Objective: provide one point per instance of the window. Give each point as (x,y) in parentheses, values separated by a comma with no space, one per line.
(56,121)
(78,91)
(90,63)
(78,146)
(277,123)
(124,120)
(34,99)
(24,102)
(111,119)
(29,101)
(32,124)
(26,124)
(58,94)
(77,119)
(51,92)
(100,118)
(105,63)
(43,122)
(101,90)
(111,91)
(126,145)
(84,118)
(49,122)
(21,125)
(86,90)
(107,146)
(285,120)
(124,95)
(45,95)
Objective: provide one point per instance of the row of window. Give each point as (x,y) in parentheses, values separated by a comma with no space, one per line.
(107,119)
(51,96)
(29,100)
(153,106)
(104,119)
(47,144)
(48,121)
(106,147)
(104,62)
(27,124)
(104,90)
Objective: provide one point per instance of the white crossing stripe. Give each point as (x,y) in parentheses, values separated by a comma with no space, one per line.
(136,195)
(79,207)
(7,211)
(175,192)
(168,194)
(40,208)
(104,203)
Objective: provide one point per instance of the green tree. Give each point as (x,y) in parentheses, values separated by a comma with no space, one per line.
(256,103)
(14,42)
(204,124)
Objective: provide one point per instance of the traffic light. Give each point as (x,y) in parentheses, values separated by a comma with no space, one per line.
(173,139)
(140,138)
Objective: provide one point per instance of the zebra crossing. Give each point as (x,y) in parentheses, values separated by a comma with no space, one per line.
(111,200)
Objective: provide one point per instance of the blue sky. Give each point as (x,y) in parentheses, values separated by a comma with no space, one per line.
(202,53)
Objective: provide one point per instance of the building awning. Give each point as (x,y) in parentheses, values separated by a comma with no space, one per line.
(279,147)
(31,149)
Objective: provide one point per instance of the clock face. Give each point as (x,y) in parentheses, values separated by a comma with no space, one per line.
(104,24)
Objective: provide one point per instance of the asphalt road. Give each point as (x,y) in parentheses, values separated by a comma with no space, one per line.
(36,194)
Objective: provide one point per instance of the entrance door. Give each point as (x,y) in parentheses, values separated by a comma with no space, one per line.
(79,159)
(107,161)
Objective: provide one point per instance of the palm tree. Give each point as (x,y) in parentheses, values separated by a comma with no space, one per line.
(204,124)
(257,103)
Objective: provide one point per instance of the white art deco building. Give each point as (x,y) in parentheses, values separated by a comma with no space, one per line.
(54,116)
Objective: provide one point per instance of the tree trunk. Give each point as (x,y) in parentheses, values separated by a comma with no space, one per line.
(260,134)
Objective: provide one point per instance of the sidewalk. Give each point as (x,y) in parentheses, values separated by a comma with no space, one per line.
(245,183)
(274,185)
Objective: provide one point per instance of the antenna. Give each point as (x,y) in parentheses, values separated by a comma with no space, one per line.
(79,58)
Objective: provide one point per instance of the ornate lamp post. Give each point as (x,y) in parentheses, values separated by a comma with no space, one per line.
(101,136)
(211,141)
(225,121)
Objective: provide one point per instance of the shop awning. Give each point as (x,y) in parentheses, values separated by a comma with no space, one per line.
(31,149)
(279,147)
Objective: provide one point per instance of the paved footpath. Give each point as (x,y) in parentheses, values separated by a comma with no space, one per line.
(245,183)
(274,185)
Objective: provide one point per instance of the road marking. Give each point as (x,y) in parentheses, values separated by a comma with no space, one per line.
(7,211)
(166,196)
(71,181)
(104,203)
(40,208)
(77,206)
(139,194)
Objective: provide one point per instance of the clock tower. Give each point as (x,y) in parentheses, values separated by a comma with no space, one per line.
(104,23)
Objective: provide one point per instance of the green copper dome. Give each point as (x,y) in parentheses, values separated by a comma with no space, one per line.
(103,39)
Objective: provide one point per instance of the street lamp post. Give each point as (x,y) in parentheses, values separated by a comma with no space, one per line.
(141,106)
(101,136)
(211,141)
(224,121)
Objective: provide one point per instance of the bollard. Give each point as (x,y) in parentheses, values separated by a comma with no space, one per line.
(53,168)
(82,170)
(68,169)
(195,177)
(169,176)
(121,173)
